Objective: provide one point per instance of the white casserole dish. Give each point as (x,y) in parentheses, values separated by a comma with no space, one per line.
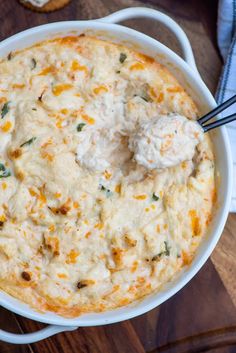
(186,72)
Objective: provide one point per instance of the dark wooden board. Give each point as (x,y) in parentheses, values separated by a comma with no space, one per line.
(202,316)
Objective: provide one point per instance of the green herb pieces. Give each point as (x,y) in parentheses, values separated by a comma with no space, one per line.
(123,57)
(29,142)
(146,97)
(4,173)
(33,63)
(80,126)
(9,56)
(2,167)
(156,257)
(92,72)
(81,284)
(166,252)
(167,249)
(5,109)
(155,197)
(107,191)
(40,98)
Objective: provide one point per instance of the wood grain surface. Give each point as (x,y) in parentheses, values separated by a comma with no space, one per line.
(202,316)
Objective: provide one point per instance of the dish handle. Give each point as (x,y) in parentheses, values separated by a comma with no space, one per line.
(27,338)
(137,12)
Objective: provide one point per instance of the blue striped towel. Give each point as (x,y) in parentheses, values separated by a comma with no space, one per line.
(227,84)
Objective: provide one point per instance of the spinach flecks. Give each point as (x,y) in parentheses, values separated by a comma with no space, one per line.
(9,56)
(81,284)
(165,252)
(40,98)
(167,249)
(28,142)
(80,126)
(107,191)
(146,98)
(155,197)
(5,109)
(4,172)
(33,63)
(123,57)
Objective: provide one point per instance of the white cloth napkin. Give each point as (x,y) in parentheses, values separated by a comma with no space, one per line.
(227,84)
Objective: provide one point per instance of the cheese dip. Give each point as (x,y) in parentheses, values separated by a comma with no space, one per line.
(90,220)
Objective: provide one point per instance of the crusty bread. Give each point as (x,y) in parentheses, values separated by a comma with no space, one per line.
(52,5)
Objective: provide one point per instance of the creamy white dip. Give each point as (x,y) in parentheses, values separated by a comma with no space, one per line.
(86,223)
(102,148)
(158,143)
(165,141)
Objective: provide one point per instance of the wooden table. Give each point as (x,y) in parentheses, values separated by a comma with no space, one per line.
(202,316)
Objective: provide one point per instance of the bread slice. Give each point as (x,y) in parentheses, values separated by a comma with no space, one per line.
(50,6)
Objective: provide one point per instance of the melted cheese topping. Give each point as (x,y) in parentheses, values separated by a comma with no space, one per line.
(85,229)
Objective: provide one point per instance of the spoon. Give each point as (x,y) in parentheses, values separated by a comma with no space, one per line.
(216,111)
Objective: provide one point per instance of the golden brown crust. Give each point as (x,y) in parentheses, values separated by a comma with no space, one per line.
(52,5)
(44,304)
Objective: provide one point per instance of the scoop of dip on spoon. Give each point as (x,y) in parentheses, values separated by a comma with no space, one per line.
(162,142)
(165,141)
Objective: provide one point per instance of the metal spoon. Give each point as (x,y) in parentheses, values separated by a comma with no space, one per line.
(216,111)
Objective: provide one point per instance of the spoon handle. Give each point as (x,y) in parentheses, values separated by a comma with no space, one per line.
(217,110)
(220,122)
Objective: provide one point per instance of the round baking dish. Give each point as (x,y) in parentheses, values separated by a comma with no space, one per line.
(187,74)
